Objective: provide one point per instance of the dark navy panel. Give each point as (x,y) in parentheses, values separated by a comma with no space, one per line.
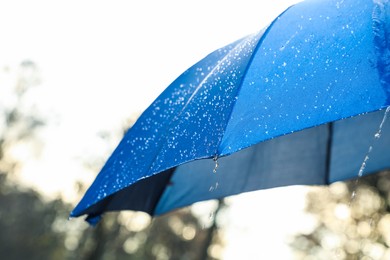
(294,159)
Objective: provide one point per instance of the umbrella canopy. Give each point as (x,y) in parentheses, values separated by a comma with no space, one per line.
(311,79)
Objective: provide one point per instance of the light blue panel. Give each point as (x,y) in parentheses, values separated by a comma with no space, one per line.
(312,67)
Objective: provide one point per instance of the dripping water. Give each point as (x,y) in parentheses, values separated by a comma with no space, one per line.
(215,186)
(377,136)
(215,159)
(367,157)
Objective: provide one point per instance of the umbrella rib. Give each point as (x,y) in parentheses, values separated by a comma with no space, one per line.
(328,158)
(380,28)
(217,66)
(246,71)
(200,85)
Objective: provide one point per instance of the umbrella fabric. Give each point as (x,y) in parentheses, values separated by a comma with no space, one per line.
(301,79)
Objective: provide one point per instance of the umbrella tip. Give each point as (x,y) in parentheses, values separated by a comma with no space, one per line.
(93,220)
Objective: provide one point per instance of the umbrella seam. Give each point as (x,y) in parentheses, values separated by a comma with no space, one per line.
(177,117)
(262,38)
(328,158)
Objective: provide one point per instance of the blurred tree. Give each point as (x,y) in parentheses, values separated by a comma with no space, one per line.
(25,218)
(18,123)
(353,220)
(34,227)
(134,235)
(26,225)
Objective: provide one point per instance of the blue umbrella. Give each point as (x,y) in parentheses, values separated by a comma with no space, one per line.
(296,103)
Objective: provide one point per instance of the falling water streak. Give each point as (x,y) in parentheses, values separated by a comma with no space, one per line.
(353,195)
(215,159)
(378,134)
(364,164)
(214,187)
(371,223)
(209,220)
(367,157)
(211,216)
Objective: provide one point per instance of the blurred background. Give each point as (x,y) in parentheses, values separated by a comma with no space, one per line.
(75,75)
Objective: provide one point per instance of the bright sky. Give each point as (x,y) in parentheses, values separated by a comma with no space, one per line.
(102,62)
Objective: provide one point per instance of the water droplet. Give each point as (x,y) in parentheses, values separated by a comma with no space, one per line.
(366,158)
(215,159)
(353,194)
(213,187)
